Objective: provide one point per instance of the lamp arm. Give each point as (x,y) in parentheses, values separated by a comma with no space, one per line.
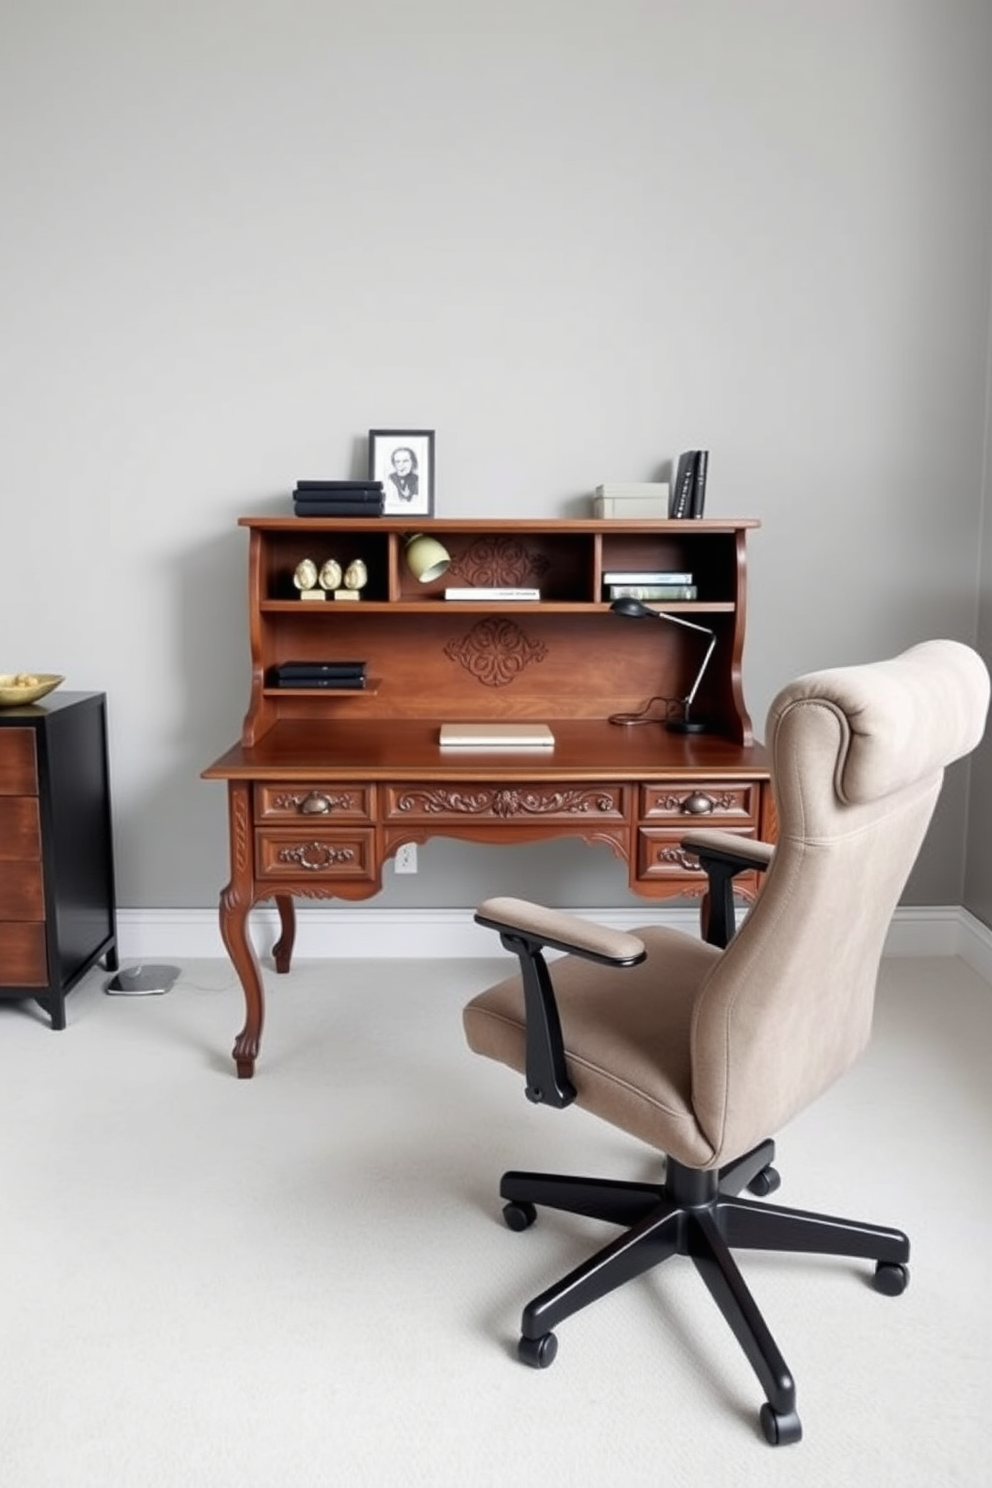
(703,630)
(702,669)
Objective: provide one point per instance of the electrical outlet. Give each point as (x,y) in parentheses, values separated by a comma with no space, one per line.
(406,858)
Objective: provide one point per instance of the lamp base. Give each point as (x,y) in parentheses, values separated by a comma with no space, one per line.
(684,726)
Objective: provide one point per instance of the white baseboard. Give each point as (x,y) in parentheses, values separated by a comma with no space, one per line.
(349,932)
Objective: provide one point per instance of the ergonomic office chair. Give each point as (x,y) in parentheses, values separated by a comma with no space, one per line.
(702,1049)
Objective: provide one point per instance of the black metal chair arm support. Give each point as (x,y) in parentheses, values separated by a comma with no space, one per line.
(722,855)
(547,1076)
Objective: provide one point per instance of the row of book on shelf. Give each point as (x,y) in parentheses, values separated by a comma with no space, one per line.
(661,583)
(617,584)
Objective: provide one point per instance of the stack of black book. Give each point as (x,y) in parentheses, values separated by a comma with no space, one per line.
(341,498)
(306,674)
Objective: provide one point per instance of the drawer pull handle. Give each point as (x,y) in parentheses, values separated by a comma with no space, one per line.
(315,804)
(698,804)
(314,856)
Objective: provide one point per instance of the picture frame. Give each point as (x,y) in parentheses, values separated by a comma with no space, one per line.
(403,459)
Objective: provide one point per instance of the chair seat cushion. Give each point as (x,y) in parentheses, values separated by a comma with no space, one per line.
(627,1035)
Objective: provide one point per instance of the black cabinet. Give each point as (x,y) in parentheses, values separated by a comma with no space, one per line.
(57,899)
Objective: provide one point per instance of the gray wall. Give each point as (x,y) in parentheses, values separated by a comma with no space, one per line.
(572,236)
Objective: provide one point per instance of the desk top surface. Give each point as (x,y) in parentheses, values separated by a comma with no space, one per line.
(397,749)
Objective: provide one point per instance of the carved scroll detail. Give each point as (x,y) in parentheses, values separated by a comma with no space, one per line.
(496,651)
(498,562)
(504,802)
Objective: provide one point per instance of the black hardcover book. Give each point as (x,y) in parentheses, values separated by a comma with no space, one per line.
(685,477)
(338,508)
(698,502)
(320,669)
(339,485)
(369,499)
(304,684)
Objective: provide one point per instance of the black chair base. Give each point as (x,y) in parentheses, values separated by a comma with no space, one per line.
(697,1214)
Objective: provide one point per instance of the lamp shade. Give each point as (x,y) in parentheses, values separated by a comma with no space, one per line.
(426,558)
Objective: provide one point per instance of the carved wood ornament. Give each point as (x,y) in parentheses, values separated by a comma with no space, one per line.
(506,802)
(496,651)
(498,562)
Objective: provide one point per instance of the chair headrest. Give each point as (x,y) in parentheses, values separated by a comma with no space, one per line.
(906,718)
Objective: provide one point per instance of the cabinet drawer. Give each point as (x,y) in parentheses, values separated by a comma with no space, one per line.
(22,889)
(342,802)
(18,762)
(23,959)
(733,803)
(20,827)
(504,803)
(288,853)
(660,854)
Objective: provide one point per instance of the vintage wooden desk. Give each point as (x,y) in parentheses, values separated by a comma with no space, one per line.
(324,786)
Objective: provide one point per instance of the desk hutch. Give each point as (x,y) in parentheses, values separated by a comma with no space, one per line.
(323,787)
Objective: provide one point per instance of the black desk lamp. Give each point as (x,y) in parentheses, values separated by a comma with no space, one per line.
(634,610)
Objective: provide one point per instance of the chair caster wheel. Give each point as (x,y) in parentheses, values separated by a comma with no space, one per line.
(765,1182)
(891,1278)
(539,1353)
(780,1428)
(519,1216)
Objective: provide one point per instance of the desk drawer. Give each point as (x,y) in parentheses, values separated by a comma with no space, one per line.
(314,800)
(660,855)
(288,853)
(504,803)
(712,801)
(18,762)
(23,959)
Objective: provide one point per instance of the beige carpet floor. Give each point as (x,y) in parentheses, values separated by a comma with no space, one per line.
(304,1279)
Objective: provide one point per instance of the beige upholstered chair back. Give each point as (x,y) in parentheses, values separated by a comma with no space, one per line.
(858,756)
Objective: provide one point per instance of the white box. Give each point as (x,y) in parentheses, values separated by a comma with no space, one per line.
(657,489)
(650,508)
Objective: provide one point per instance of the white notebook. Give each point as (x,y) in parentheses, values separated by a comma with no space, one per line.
(496,736)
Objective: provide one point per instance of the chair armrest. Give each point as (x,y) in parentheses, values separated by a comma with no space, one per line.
(526,929)
(729,847)
(722,855)
(564,932)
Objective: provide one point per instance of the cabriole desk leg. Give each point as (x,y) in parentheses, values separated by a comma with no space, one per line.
(235,907)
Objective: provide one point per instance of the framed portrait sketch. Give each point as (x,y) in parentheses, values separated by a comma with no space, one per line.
(403,459)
